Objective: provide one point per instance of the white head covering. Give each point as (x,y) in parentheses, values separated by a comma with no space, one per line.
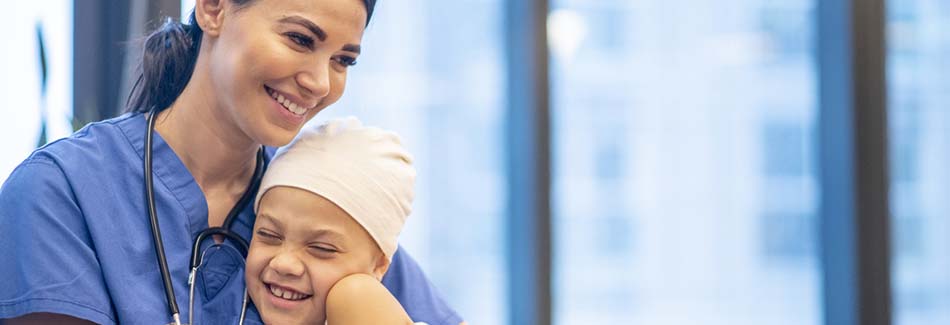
(363,170)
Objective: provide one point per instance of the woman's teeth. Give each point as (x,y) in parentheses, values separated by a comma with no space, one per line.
(286,294)
(286,103)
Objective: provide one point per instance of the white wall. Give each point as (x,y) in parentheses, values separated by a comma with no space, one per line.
(20,99)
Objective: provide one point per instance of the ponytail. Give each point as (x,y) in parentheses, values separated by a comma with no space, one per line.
(168,60)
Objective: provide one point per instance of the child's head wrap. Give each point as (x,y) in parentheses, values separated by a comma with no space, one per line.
(363,170)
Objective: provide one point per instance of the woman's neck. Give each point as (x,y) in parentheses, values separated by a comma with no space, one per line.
(217,153)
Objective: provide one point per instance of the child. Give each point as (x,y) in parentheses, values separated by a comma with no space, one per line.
(329,210)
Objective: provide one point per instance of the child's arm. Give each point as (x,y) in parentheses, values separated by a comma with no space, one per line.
(362,299)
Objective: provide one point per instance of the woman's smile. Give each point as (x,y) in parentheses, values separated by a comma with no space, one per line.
(290,110)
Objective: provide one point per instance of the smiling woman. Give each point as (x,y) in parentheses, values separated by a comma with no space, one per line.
(241,75)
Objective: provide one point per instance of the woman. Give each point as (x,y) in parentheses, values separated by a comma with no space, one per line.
(244,73)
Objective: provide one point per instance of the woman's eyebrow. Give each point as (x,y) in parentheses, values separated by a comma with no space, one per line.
(306,23)
(316,30)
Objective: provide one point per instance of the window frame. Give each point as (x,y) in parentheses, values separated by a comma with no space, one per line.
(853,159)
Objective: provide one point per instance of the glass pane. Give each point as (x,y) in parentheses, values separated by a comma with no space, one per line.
(442,90)
(685,189)
(35,111)
(918,78)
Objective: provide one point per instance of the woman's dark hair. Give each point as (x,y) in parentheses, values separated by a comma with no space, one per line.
(168,60)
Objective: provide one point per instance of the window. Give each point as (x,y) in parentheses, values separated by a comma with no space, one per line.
(918,47)
(788,237)
(784,145)
(708,112)
(788,222)
(29,106)
(442,90)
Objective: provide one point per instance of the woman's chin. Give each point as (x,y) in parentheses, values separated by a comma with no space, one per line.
(278,138)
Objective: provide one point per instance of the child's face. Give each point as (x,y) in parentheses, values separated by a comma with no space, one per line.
(302,245)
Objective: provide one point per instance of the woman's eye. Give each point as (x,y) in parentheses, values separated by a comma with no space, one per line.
(346,61)
(300,39)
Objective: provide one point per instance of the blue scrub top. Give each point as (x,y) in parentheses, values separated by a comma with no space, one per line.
(76,240)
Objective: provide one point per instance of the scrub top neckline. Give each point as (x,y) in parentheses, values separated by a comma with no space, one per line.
(172,174)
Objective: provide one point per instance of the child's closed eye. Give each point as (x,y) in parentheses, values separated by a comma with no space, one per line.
(323,250)
(268,236)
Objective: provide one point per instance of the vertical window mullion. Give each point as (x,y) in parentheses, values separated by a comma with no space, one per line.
(528,162)
(853,158)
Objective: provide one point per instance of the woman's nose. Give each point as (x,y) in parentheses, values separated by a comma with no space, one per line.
(287,263)
(315,80)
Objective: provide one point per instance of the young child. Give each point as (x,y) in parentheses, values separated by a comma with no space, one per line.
(329,210)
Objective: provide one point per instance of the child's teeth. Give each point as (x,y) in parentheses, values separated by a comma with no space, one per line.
(289,295)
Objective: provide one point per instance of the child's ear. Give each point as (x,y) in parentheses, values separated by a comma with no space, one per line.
(382,265)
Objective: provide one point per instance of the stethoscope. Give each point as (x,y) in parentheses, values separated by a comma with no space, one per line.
(224,230)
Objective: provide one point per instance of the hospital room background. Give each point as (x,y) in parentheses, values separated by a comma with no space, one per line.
(613,161)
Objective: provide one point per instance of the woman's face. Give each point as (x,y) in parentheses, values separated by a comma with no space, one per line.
(302,245)
(274,64)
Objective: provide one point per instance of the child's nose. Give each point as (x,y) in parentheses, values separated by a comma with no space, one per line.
(287,263)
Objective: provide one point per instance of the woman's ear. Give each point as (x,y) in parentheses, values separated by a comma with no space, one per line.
(210,15)
(382,265)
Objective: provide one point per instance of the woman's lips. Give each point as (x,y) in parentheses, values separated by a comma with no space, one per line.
(292,119)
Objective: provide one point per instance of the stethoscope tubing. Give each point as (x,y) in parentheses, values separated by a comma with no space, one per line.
(225,230)
(153,219)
